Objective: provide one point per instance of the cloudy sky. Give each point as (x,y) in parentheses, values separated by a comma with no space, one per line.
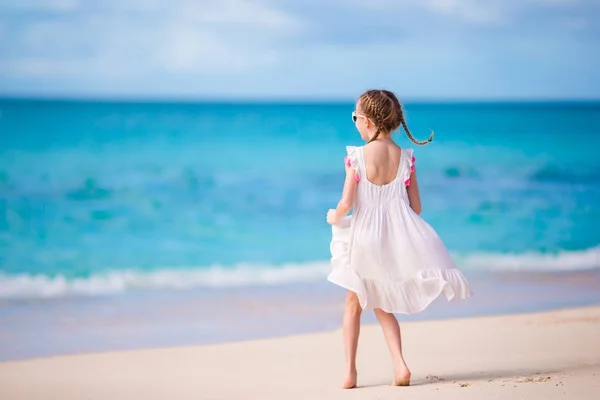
(300,48)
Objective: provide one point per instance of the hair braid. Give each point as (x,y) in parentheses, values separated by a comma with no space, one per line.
(411,137)
(377,117)
(380,117)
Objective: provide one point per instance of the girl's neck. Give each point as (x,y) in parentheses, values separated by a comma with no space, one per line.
(383,137)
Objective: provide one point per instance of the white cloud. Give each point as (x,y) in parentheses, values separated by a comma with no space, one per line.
(497,11)
(478,12)
(186,50)
(333,48)
(239,12)
(222,37)
(119,39)
(466,10)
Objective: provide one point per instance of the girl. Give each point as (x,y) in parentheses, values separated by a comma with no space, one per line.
(385,254)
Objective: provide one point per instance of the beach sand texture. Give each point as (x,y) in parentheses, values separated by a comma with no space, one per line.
(549,355)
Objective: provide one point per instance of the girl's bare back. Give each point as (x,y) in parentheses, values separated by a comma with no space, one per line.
(382,160)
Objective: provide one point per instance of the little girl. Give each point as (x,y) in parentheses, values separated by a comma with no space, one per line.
(385,254)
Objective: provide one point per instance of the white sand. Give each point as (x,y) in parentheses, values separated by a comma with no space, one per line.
(554,355)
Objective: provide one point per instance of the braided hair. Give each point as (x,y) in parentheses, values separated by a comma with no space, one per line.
(385,111)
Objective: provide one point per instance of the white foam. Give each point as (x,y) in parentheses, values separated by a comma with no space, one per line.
(42,286)
(25,286)
(563,261)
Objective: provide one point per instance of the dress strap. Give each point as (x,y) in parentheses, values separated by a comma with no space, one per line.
(407,166)
(361,159)
(401,164)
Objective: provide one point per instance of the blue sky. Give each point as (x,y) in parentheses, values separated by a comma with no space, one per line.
(431,49)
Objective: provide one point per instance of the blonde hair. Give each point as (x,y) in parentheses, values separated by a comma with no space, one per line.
(385,111)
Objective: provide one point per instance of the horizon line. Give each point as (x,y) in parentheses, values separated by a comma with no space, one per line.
(282,99)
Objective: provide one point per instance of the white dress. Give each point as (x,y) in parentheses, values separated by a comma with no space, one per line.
(385,252)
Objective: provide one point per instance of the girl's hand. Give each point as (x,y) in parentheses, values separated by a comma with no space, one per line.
(331,217)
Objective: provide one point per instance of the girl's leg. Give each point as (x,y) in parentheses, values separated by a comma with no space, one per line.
(351,328)
(391,332)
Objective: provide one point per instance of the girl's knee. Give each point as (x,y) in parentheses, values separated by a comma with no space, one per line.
(352,303)
(380,313)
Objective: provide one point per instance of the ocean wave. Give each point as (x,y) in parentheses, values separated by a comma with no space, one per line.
(43,286)
(26,286)
(563,261)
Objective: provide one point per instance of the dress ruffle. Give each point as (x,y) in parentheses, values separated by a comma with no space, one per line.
(399,297)
(411,166)
(351,160)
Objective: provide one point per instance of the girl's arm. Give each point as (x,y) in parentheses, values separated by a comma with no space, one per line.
(348,193)
(413,192)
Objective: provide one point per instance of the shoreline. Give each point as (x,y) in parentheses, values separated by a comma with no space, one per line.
(366,323)
(549,354)
(159,319)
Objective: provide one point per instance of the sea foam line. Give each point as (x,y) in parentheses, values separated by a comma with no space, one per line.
(28,286)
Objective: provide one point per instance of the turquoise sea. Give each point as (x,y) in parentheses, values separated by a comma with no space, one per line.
(138,200)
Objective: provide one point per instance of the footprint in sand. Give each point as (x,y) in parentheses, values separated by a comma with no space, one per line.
(534,380)
(434,379)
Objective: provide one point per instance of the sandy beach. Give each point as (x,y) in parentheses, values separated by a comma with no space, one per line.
(548,355)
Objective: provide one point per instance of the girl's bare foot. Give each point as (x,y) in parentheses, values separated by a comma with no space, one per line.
(350,381)
(401,376)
